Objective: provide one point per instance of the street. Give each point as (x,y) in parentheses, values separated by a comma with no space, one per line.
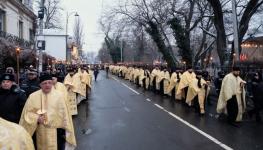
(120,116)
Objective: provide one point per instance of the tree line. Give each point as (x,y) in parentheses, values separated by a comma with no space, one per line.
(176,31)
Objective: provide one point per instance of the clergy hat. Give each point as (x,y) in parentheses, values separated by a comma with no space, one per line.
(7,76)
(70,70)
(54,74)
(235,68)
(44,77)
(199,72)
(189,67)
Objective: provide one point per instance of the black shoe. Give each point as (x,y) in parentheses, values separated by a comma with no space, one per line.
(250,114)
(234,124)
(258,118)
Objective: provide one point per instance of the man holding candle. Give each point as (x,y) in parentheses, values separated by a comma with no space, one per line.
(46,114)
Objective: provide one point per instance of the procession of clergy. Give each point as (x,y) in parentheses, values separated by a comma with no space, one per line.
(191,87)
(46,115)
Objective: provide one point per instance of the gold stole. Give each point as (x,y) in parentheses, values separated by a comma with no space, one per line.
(72,98)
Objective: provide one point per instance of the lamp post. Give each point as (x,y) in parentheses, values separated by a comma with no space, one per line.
(37,63)
(17,63)
(235,25)
(121,51)
(68,52)
(41,14)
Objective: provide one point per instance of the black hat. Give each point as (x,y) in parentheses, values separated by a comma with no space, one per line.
(235,68)
(70,70)
(32,71)
(198,72)
(54,74)
(44,77)
(189,67)
(8,76)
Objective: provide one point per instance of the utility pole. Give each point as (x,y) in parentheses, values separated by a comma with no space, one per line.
(41,28)
(121,49)
(68,53)
(236,39)
(68,50)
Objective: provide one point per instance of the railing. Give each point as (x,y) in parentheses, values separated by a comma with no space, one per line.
(16,40)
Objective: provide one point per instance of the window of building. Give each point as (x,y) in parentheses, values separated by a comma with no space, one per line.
(20,29)
(31,35)
(2,20)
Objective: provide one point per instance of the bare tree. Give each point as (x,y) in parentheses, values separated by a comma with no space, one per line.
(247,10)
(53,10)
(78,35)
(104,54)
(152,18)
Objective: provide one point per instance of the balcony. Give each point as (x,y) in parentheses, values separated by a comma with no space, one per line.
(16,41)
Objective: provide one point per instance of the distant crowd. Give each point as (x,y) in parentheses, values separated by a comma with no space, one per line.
(193,87)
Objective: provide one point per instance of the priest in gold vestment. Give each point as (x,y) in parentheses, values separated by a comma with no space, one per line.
(60,87)
(72,96)
(80,86)
(232,97)
(173,85)
(197,93)
(154,77)
(186,79)
(14,137)
(46,114)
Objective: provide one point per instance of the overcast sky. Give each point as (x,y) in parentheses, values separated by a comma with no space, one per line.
(89,12)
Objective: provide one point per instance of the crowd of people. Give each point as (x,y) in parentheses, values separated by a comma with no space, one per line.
(193,87)
(36,109)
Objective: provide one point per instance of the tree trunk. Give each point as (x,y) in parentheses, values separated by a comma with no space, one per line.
(155,34)
(182,37)
(220,28)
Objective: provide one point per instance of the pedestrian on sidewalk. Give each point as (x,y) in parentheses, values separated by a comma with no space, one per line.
(12,99)
(96,72)
(257,97)
(107,71)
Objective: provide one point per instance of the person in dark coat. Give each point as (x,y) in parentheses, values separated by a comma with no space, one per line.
(31,83)
(257,96)
(96,72)
(61,75)
(218,81)
(12,99)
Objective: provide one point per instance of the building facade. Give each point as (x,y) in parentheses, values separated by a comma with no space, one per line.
(18,22)
(55,44)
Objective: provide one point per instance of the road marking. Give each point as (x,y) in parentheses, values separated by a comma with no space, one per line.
(148,100)
(224,146)
(181,120)
(159,106)
(201,132)
(130,89)
(127,86)
(196,129)
(115,79)
(127,109)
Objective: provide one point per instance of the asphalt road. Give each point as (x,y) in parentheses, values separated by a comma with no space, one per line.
(120,116)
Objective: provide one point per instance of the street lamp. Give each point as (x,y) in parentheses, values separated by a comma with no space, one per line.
(17,63)
(68,52)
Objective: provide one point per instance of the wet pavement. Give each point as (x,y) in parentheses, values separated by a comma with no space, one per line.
(120,116)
